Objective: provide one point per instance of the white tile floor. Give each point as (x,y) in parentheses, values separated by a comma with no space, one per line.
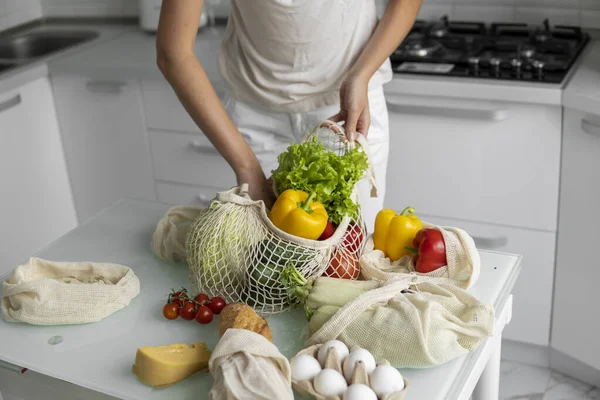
(528,382)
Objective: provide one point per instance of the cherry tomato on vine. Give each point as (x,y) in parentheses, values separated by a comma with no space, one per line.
(188,312)
(217,304)
(179,297)
(201,297)
(204,315)
(171,311)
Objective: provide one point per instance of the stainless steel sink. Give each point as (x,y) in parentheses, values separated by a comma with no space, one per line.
(40,43)
(6,66)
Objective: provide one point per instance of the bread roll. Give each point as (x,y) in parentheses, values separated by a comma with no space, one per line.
(242,316)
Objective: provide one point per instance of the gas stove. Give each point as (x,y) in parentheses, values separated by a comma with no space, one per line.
(500,51)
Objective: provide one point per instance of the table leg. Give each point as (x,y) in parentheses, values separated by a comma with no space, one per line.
(488,386)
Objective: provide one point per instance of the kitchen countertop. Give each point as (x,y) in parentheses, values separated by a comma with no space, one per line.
(583,91)
(99,356)
(18,76)
(123,51)
(133,55)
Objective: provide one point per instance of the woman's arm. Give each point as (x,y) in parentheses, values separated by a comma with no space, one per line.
(177,30)
(396,22)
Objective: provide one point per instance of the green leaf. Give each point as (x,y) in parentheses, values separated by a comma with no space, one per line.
(310,167)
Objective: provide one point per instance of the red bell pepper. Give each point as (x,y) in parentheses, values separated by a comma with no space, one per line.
(431,253)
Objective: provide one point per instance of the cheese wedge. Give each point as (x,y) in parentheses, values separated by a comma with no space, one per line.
(161,366)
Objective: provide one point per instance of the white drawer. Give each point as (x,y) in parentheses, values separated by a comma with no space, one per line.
(163,109)
(533,290)
(182,195)
(481,161)
(188,158)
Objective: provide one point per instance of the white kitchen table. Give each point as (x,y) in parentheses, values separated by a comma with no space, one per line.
(99,356)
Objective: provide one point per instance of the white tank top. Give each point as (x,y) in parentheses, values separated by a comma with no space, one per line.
(292,55)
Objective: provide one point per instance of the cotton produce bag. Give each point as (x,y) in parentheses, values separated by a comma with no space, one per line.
(246,366)
(42,292)
(168,239)
(412,321)
(463,260)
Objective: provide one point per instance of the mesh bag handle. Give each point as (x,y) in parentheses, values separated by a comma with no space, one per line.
(346,145)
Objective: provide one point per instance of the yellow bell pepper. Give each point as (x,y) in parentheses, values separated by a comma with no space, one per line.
(294,212)
(393,233)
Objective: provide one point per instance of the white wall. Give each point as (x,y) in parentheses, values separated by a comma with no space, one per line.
(17,12)
(585,13)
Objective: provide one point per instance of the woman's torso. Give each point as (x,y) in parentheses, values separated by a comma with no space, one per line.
(291,55)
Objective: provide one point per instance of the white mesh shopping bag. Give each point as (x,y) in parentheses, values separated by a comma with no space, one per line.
(236,252)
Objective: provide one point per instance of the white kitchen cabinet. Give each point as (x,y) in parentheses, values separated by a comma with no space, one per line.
(106,145)
(491,168)
(164,110)
(576,325)
(36,202)
(482,161)
(190,159)
(532,311)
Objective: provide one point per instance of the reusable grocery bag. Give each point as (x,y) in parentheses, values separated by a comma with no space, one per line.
(42,292)
(412,321)
(234,250)
(463,260)
(245,365)
(168,239)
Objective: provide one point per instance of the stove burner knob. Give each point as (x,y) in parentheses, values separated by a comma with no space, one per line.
(474,63)
(516,64)
(495,63)
(538,66)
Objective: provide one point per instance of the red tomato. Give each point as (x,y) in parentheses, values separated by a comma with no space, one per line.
(181,294)
(216,305)
(343,266)
(204,315)
(354,237)
(188,312)
(200,298)
(171,311)
(178,297)
(328,232)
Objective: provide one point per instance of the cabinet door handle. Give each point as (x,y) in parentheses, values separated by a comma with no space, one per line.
(490,242)
(109,87)
(10,103)
(12,367)
(484,114)
(202,148)
(204,199)
(590,127)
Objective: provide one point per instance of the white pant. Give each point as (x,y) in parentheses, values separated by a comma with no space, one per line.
(269,134)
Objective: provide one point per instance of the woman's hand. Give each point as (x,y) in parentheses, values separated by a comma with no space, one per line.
(354,106)
(260,188)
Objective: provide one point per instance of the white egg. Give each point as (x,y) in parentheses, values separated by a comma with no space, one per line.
(358,355)
(329,382)
(386,379)
(305,367)
(358,391)
(340,348)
